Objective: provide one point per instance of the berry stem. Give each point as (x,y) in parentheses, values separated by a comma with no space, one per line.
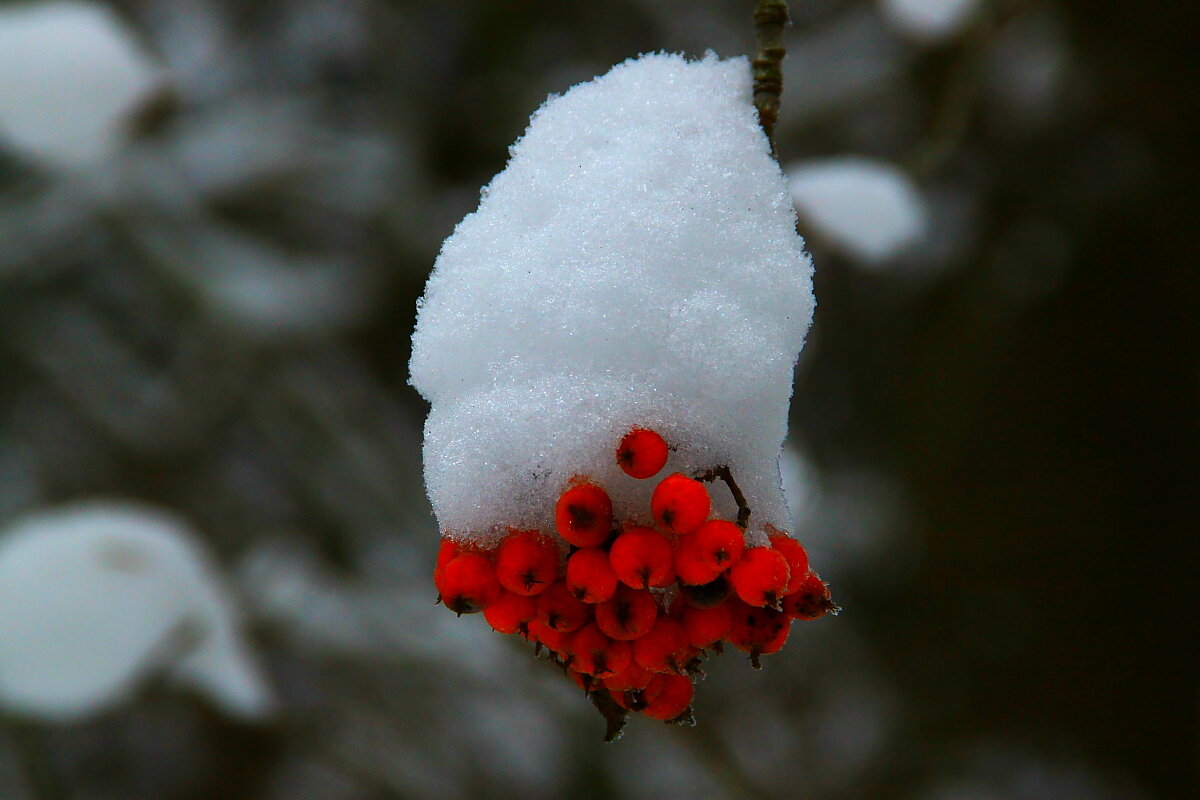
(770,18)
(723,472)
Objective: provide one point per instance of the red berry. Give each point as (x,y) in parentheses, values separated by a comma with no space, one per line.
(628,615)
(707,595)
(706,626)
(673,701)
(598,655)
(509,612)
(585,682)
(810,601)
(467,584)
(757,631)
(664,648)
(557,608)
(680,504)
(642,453)
(583,515)
(642,558)
(590,577)
(556,642)
(526,562)
(447,550)
(760,577)
(703,554)
(633,678)
(797,558)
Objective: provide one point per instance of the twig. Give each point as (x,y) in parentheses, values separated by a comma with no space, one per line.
(770,18)
(724,474)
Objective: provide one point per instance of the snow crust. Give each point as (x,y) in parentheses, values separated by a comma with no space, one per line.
(869,209)
(95,597)
(636,263)
(69,74)
(929,20)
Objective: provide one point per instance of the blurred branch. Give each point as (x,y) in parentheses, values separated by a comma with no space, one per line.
(770,18)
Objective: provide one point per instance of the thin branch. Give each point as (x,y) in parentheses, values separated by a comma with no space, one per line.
(770,18)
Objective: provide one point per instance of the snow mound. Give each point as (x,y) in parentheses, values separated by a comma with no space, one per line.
(70,72)
(635,264)
(868,209)
(95,597)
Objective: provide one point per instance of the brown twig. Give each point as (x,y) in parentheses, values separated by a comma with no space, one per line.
(723,472)
(770,18)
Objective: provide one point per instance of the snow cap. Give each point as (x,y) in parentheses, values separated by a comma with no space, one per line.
(97,596)
(635,264)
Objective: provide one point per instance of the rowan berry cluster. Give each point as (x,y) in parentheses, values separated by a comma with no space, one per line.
(629,611)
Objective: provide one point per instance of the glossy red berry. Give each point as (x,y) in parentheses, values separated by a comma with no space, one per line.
(467,584)
(642,558)
(557,608)
(556,642)
(797,559)
(757,631)
(633,678)
(590,577)
(510,612)
(705,626)
(583,515)
(447,550)
(628,615)
(760,577)
(707,595)
(597,654)
(674,699)
(706,552)
(664,648)
(526,562)
(680,504)
(811,601)
(642,453)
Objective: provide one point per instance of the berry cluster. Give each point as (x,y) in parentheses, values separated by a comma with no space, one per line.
(629,611)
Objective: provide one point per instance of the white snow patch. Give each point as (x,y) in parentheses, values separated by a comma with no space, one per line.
(869,209)
(97,596)
(636,263)
(70,72)
(929,20)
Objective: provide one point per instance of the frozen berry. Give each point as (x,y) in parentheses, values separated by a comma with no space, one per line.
(598,655)
(703,554)
(810,601)
(680,504)
(642,558)
(760,577)
(628,615)
(674,699)
(526,562)
(664,647)
(757,631)
(705,626)
(467,584)
(590,577)
(797,559)
(642,453)
(583,515)
(510,612)
(706,595)
(557,608)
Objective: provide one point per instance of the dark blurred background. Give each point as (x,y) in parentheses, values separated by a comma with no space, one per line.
(994,452)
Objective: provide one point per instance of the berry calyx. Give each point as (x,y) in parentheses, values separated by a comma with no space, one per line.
(642,558)
(590,576)
(757,631)
(680,504)
(597,654)
(526,562)
(629,614)
(510,612)
(663,648)
(558,609)
(760,577)
(811,601)
(706,626)
(642,453)
(796,556)
(583,515)
(706,552)
(467,584)
(673,701)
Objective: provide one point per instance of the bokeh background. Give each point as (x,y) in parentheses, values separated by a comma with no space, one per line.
(205,308)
